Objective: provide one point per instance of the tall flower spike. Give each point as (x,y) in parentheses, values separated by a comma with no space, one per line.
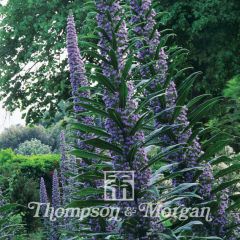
(206,180)
(77,70)
(143,21)
(122,136)
(44,199)
(56,203)
(64,167)
(43,193)
(56,199)
(2,201)
(221,220)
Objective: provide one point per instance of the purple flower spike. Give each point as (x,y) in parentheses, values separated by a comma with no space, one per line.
(64,166)
(206,179)
(143,21)
(56,200)
(76,65)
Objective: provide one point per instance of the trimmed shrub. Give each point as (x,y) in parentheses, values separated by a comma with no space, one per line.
(33,147)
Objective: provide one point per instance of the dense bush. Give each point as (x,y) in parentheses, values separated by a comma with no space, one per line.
(33,147)
(34,166)
(15,135)
(20,175)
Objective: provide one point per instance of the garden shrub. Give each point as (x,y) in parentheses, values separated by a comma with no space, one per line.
(33,147)
(15,135)
(20,175)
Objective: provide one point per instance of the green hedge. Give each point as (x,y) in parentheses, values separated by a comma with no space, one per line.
(34,166)
(20,177)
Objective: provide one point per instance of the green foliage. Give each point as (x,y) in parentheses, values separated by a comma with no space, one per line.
(20,177)
(13,136)
(232,89)
(34,166)
(204,27)
(33,147)
(22,191)
(33,66)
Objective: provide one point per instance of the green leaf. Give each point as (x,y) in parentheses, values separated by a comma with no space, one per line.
(214,149)
(178,173)
(89,203)
(89,191)
(93,109)
(89,155)
(96,142)
(203,109)
(105,81)
(97,56)
(114,60)
(127,67)
(115,117)
(196,100)
(183,92)
(123,94)
(188,226)
(89,129)
(234,206)
(132,153)
(162,155)
(139,124)
(228,170)
(220,159)
(148,99)
(94,102)
(225,185)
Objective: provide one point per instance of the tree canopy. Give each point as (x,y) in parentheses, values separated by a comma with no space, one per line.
(33,62)
(210,30)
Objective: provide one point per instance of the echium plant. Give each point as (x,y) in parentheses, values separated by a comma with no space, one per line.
(121,125)
(154,66)
(81,96)
(119,145)
(52,228)
(56,203)
(169,110)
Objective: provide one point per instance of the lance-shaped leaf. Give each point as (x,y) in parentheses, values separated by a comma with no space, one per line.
(105,81)
(89,191)
(196,100)
(115,117)
(236,205)
(225,185)
(114,59)
(96,55)
(203,109)
(162,155)
(127,68)
(96,142)
(93,109)
(178,173)
(89,155)
(184,91)
(89,203)
(228,170)
(123,93)
(139,124)
(148,99)
(89,129)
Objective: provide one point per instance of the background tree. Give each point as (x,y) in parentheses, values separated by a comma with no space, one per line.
(12,137)
(32,54)
(210,30)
